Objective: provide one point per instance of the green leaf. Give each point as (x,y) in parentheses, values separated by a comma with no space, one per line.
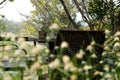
(11,0)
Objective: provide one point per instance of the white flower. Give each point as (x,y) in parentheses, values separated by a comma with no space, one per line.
(80,69)
(113,70)
(39,58)
(19,52)
(116,39)
(52,55)
(107,32)
(11,60)
(21,39)
(56,47)
(73,69)
(116,45)
(101,73)
(117,33)
(106,68)
(37,49)
(101,62)
(104,53)
(118,54)
(96,73)
(68,66)
(118,64)
(93,43)
(74,77)
(90,48)
(54,27)
(64,44)
(8,47)
(10,35)
(108,76)
(65,59)
(54,64)
(13,38)
(35,66)
(80,54)
(23,45)
(106,48)
(94,56)
(87,67)
(47,51)
(83,62)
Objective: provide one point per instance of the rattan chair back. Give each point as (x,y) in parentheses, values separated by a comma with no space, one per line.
(80,40)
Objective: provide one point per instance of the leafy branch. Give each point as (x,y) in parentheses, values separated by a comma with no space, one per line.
(2,2)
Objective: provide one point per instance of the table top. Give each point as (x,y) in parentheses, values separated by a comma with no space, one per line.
(42,40)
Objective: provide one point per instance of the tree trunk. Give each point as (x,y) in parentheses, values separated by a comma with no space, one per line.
(68,14)
(83,15)
(2,2)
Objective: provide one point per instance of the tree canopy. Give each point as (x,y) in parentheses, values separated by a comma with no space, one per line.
(3,22)
(98,14)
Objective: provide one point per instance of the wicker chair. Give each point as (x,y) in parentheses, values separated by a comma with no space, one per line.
(77,40)
(80,40)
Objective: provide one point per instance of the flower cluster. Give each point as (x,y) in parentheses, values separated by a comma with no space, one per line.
(84,65)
